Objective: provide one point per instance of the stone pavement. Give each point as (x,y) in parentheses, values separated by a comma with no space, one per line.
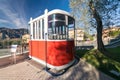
(27,70)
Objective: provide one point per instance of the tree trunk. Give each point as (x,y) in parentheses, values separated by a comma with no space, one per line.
(99,31)
(100,45)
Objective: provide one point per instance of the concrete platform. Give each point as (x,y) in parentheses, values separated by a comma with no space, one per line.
(31,70)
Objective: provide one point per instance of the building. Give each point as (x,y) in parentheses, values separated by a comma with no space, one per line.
(105,33)
(79,34)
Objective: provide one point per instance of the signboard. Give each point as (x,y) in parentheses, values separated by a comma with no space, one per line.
(13,48)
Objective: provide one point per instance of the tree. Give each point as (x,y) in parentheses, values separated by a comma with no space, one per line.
(99,25)
(81,13)
(95,11)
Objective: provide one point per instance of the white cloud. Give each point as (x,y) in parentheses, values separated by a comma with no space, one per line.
(4,21)
(14,13)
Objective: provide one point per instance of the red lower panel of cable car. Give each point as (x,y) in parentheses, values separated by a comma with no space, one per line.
(55,53)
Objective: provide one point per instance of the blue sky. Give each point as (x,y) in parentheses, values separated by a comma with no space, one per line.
(16,13)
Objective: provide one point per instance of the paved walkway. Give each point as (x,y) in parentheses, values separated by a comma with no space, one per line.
(27,71)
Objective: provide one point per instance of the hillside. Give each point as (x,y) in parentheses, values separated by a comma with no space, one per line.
(12,33)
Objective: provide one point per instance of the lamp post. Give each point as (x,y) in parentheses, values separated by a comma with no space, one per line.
(108,35)
(21,44)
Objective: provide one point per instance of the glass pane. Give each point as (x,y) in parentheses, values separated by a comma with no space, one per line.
(50,17)
(43,28)
(56,30)
(33,30)
(56,17)
(70,28)
(60,16)
(59,23)
(39,30)
(70,20)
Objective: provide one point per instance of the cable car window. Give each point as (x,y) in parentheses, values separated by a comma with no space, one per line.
(36,34)
(50,17)
(33,30)
(59,16)
(57,30)
(56,17)
(39,30)
(58,27)
(70,20)
(70,28)
(43,28)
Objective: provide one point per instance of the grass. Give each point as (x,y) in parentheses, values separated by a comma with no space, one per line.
(115,53)
(114,50)
(100,61)
(80,53)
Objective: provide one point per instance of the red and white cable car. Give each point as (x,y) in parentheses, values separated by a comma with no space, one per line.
(51,44)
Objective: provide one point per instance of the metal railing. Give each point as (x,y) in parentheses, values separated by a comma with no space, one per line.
(113,44)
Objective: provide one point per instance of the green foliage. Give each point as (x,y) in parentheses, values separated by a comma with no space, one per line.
(80,53)
(115,53)
(7,43)
(18,42)
(88,36)
(100,61)
(80,10)
(95,14)
(92,59)
(14,42)
(114,33)
(83,11)
(3,43)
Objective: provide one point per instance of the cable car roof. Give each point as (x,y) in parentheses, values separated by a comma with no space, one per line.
(55,11)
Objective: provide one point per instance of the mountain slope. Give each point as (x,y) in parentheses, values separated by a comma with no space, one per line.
(12,33)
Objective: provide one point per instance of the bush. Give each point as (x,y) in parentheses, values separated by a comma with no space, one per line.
(102,62)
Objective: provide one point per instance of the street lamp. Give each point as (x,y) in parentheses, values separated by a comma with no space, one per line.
(21,44)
